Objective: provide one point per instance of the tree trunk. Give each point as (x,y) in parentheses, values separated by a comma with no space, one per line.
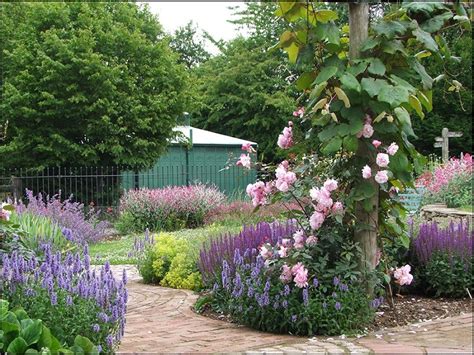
(367,235)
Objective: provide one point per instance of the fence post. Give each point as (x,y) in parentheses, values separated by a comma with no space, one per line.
(16,188)
(137,180)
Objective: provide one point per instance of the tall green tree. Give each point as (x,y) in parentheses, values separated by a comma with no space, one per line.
(244,91)
(86,83)
(190,46)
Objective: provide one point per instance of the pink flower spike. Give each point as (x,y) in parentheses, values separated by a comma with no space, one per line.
(392,149)
(381,177)
(382,160)
(376,143)
(366,172)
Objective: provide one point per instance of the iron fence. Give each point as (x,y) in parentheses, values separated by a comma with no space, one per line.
(103,186)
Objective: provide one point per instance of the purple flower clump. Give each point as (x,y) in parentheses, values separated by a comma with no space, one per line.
(235,248)
(69,281)
(77,225)
(455,240)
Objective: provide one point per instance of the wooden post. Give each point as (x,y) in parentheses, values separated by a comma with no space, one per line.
(443,142)
(366,234)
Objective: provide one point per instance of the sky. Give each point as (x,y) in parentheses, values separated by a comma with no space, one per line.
(209,16)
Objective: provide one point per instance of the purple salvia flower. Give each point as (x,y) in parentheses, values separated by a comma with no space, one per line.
(338,306)
(305,297)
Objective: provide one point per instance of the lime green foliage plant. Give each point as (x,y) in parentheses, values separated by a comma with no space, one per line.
(21,335)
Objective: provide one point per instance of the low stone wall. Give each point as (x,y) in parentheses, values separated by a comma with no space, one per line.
(441,214)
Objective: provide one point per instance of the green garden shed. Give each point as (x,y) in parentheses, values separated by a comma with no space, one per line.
(209,158)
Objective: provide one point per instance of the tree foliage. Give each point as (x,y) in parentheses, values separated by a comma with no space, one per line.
(86,83)
(243,92)
(189,45)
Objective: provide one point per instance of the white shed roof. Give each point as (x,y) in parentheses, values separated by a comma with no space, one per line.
(201,136)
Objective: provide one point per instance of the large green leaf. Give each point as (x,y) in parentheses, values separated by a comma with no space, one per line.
(350,82)
(426,79)
(84,343)
(369,43)
(405,120)
(394,95)
(376,67)
(332,146)
(305,80)
(325,74)
(364,190)
(292,50)
(318,89)
(325,15)
(436,23)
(45,339)
(357,68)
(399,81)
(350,143)
(327,32)
(32,332)
(327,133)
(425,38)
(390,29)
(373,86)
(20,314)
(17,346)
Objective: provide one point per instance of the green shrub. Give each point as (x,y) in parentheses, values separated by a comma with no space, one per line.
(447,276)
(38,229)
(19,334)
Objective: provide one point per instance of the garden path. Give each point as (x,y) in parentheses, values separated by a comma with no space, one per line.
(160,320)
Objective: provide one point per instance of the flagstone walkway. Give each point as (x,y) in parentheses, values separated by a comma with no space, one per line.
(160,320)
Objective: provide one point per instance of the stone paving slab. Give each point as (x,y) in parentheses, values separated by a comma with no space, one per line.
(160,320)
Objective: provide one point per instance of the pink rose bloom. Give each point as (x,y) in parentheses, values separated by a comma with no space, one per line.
(337,208)
(284,177)
(285,139)
(286,274)
(382,160)
(283,252)
(402,275)
(311,240)
(324,199)
(330,185)
(301,278)
(367,130)
(298,237)
(244,161)
(366,172)
(258,193)
(248,148)
(392,149)
(381,177)
(316,220)
(296,267)
(299,112)
(286,242)
(266,252)
(314,193)
(376,143)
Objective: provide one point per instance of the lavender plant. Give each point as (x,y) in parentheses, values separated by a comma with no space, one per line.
(444,258)
(254,295)
(250,238)
(84,227)
(67,295)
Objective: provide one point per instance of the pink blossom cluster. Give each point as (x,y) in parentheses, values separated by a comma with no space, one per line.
(443,174)
(402,275)
(297,273)
(324,203)
(244,161)
(258,192)
(284,177)
(367,130)
(285,139)
(283,248)
(382,160)
(299,112)
(248,148)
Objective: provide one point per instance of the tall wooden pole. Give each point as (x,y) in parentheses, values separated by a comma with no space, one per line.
(367,222)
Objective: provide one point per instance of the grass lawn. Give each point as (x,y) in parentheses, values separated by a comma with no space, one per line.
(116,251)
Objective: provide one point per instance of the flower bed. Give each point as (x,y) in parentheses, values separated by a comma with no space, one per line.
(67,295)
(168,209)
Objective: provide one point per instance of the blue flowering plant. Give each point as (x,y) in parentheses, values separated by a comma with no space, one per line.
(255,294)
(67,295)
(289,282)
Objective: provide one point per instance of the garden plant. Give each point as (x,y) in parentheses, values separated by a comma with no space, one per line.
(360,86)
